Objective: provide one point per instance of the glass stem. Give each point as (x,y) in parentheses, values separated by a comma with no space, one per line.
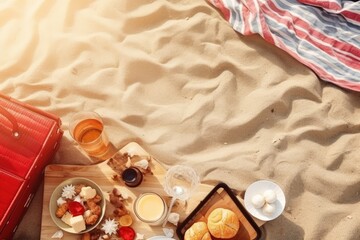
(173,199)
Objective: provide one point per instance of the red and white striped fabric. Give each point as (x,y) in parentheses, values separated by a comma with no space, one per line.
(329,5)
(322,34)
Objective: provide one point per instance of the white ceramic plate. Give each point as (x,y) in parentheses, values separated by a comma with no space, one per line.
(259,187)
(160,238)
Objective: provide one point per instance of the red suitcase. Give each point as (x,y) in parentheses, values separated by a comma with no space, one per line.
(29,137)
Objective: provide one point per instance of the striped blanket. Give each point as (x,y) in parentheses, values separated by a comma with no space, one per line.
(322,34)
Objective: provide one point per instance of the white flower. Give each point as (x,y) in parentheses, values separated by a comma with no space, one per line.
(68,191)
(110,226)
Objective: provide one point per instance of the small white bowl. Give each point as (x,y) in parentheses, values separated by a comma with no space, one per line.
(57,194)
(259,187)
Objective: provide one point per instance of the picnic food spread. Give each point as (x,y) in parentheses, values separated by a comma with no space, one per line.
(126,214)
(78,206)
(118,223)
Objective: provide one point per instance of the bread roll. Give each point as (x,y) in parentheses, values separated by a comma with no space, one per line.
(197,231)
(223,223)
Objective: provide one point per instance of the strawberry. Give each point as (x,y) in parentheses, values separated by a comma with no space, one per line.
(126,233)
(76,208)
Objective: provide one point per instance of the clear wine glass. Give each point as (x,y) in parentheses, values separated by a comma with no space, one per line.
(180,182)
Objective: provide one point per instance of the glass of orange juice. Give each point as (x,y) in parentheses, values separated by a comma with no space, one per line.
(87,129)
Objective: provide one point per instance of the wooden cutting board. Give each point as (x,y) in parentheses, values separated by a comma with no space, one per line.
(102,174)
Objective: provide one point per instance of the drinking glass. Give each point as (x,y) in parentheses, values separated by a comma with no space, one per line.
(150,208)
(87,129)
(180,182)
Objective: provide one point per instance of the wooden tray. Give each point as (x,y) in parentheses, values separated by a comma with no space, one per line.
(222,197)
(102,174)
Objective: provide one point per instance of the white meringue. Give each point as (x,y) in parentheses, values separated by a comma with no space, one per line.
(174,218)
(258,200)
(59,234)
(144,164)
(270,196)
(268,209)
(168,232)
(60,201)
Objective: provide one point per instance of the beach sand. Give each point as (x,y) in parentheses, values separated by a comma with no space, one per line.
(176,78)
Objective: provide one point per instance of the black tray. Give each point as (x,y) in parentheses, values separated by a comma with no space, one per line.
(222,196)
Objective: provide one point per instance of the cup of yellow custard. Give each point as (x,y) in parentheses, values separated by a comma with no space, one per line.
(150,208)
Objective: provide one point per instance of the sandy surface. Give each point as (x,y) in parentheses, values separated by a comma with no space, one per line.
(176,78)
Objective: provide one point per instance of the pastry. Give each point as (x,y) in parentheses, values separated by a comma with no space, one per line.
(223,223)
(61,210)
(197,231)
(268,209)
(270,196)
(258,201)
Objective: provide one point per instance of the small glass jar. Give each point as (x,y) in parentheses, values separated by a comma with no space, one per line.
(132,177)
(150,208)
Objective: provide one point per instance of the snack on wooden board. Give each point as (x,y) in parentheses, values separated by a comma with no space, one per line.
(197,231)
(118,219)
(78,206)
(121,161)
(223,223)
